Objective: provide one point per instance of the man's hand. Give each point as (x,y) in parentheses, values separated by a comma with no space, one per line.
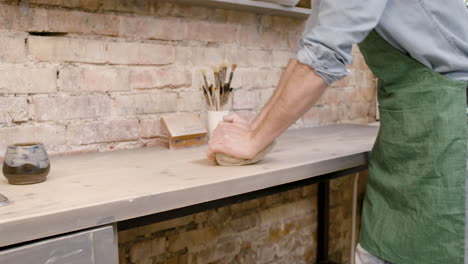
(233,137)
(299,88)
(234,118)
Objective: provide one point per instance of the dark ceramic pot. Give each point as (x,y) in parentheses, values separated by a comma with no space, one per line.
(26,163)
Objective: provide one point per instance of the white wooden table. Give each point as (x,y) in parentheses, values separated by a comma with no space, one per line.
(135,187)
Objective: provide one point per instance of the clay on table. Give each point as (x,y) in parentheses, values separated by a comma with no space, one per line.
(226,160)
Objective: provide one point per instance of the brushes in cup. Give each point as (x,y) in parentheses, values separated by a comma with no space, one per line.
(217,95)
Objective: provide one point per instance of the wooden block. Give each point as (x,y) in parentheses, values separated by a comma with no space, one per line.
(182,143)
(183,130)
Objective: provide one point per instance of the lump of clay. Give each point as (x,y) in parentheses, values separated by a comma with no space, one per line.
(225,160)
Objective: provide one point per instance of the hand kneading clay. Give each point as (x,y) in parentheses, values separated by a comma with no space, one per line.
(225,160)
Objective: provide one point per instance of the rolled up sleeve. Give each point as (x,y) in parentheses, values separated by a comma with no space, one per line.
(331,30)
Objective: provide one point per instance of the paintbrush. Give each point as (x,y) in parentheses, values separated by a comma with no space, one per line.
(227,87)
(207,95)
(224,67)
(233,69)
(206,89)
(217,88)
(224,83)
(204,78)
(207,99)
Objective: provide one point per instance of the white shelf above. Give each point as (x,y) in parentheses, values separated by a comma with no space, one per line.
(251,6)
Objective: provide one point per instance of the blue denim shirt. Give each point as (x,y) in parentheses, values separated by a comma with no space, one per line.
(433,32)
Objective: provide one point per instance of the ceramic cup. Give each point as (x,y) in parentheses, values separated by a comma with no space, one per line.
(214,118)
(26,163)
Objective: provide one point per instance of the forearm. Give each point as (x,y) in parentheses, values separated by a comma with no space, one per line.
(302,87)
(274,98)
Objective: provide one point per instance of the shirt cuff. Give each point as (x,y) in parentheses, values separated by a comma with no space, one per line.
(323,61)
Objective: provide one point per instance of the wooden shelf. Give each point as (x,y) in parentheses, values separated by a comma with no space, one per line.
(251,6)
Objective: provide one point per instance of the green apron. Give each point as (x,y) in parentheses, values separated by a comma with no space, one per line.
(414,209)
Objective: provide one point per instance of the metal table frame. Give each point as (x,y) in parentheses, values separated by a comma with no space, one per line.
(323,194)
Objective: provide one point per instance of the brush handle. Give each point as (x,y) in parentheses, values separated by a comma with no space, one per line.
(217,91)
(230,78)
(206,82)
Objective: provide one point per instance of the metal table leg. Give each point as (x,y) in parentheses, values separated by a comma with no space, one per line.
(323,223)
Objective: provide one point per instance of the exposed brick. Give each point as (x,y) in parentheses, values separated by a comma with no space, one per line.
(82,4)
(92,51)
(292,40)
(343,82)
(70,107)
(140,53)
(51,135)
(164,226)
(212,32)
(266,253)
(275,40)
(152,28)
(197,79)
(287,24)
(244,99)
(67,49)
(329,115)
(11,17)
(250,37)
(137,104)
(146,249)
(150,128)
(312,117)
(12,49)
(192,237)
(264,96)
(207,57)
(191,101)
(150,78)
(281,58)
(358,61)
(8,14)
(237,79)
(133,6)
(370,80)
(82,22)
(277,233)
(97,132)
(358,110)
(183,56)
(21,80)
(13,109)
(163,8)
(243,223)
(180,259)
(276,214)
(259,79)
(250,58)
(94,79)
(240,17)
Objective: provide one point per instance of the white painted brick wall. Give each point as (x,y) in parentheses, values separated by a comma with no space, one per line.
(27,80)
(99,79)
(111,68)
(64,107)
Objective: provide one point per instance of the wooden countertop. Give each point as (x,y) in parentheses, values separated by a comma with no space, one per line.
(88,190)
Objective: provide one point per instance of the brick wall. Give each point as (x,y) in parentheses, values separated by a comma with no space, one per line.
(277,229)
(96,75)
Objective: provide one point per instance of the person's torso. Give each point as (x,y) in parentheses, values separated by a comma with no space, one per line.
(433,32)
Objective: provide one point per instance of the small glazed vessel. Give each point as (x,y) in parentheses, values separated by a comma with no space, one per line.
(26,163)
